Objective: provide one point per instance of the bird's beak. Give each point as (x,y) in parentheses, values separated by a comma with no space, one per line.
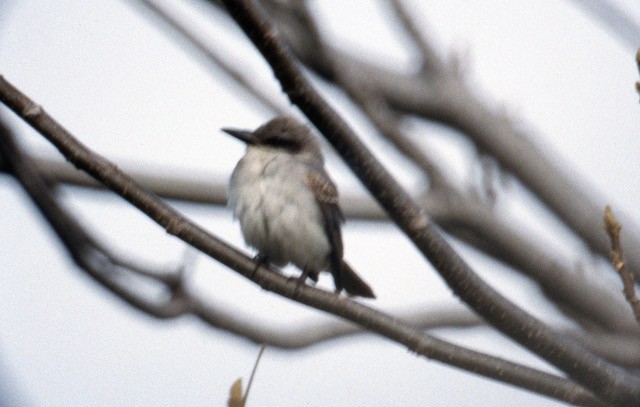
(242,135)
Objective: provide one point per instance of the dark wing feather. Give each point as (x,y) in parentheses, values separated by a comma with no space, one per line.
(326,195)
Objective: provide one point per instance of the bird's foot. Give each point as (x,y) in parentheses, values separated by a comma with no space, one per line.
(302,280)
(260,260)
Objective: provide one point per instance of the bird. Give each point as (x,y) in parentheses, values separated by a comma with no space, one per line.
(287,204)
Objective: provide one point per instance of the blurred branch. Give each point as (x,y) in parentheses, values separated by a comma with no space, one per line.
(176,224)
(621,349)
(431,62)
(614,18)
(460,213)
(586,297)
(613,228)
(194,188)
(176,186)
(86,253)
(103,266)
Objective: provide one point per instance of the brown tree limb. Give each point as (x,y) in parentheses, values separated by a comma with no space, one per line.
(608,381)
(176,224)
(108,269)
(613,228)
(310,334)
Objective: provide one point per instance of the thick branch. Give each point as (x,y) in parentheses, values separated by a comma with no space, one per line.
(610,382)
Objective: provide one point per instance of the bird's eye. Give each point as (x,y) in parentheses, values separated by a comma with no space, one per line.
(287,144)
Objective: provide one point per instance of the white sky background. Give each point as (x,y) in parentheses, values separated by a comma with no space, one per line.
(125,88)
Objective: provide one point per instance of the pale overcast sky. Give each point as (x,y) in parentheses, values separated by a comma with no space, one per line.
(118,82)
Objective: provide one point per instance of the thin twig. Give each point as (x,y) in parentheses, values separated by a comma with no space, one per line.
(638,64)
(253,373)
(431,61)
(613,228)
(176,224)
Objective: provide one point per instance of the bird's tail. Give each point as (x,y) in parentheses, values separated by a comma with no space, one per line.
(353,284)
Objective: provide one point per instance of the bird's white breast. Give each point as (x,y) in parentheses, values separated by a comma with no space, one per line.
(278,212)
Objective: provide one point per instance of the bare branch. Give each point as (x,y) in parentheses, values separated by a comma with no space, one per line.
(392,328)
(388,124)
(191,188)
(431,61)
(613,228)
(623,350)
(608,381)
(295,337)
(614,18)
(474,220)
(176,186)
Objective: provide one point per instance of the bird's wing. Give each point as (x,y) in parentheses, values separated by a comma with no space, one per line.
(326,195)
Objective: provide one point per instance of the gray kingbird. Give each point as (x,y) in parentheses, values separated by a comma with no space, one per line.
(287,204)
